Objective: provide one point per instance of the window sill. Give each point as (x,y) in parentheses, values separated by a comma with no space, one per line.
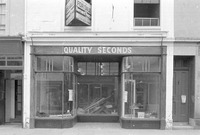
(149,28)
(77,28)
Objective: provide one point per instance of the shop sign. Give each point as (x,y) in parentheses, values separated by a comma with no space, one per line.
(83,11)
(78,10)
(70,11)
(98,50)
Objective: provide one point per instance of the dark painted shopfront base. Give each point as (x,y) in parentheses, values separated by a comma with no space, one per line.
(96,118)
(55,123)
(70,122)
(140,124)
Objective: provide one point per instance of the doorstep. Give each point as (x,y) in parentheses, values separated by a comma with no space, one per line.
(182,125)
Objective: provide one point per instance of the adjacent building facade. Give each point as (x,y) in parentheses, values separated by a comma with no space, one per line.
(133,62)
(11,60)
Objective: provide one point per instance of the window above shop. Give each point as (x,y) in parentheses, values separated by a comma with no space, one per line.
(2,16)
(78,13)
(147,12)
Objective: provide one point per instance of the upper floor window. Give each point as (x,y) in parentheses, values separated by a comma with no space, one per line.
(147,12)
(78,13)
(2,16)
(11,61)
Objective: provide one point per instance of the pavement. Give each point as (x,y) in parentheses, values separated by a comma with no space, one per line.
(92,129)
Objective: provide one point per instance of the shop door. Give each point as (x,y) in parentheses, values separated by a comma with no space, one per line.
(97,99)
(180,96)
(2,99)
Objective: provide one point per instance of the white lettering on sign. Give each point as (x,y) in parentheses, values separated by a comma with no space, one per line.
(79,50)
(115,50)
(98,50)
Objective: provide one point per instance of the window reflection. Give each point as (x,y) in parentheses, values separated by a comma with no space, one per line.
(142,64)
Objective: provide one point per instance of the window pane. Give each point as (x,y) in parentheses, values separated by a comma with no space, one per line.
(114,68)
(90,68)
(155,64)
(83,99)
(48,63)
(142,92)
(104,68)
(14,63)
(142,64)
(49,94)
(68,64)
(2,63)
(98,98)
(82,68)
(146,13)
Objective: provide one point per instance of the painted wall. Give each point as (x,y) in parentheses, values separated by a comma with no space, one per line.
(15,17)
(107,15)
(187,20)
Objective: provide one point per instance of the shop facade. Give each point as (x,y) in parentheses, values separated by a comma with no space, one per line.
(11,79)
(123,83)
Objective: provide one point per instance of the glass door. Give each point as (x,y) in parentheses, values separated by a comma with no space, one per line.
(97,99)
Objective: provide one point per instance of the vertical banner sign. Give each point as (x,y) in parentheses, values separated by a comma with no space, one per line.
(78,13)
(70,8)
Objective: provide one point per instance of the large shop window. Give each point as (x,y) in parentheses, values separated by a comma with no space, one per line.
(55,86)
(141,87)
(78,12)
(147,12)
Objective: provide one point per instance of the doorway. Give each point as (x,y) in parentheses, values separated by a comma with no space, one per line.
(183,89)
(11,97)
(97,91)
(180,96)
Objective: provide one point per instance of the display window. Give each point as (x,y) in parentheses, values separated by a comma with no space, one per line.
(55,87)
(141,87)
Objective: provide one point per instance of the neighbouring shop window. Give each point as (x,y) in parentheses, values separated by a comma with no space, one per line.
(146,12)
(78,12)
(141,87)
(11,61)
(55,86)
(98,68)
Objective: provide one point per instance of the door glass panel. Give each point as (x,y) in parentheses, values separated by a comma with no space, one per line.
(83,98)
(95,93)
(98,98)
(90,68)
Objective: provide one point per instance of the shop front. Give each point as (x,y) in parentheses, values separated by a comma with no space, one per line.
(122,84)
(11,70)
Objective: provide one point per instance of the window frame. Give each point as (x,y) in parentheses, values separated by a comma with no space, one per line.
(147,27)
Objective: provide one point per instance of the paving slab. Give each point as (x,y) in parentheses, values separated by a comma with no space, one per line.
(92,129)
